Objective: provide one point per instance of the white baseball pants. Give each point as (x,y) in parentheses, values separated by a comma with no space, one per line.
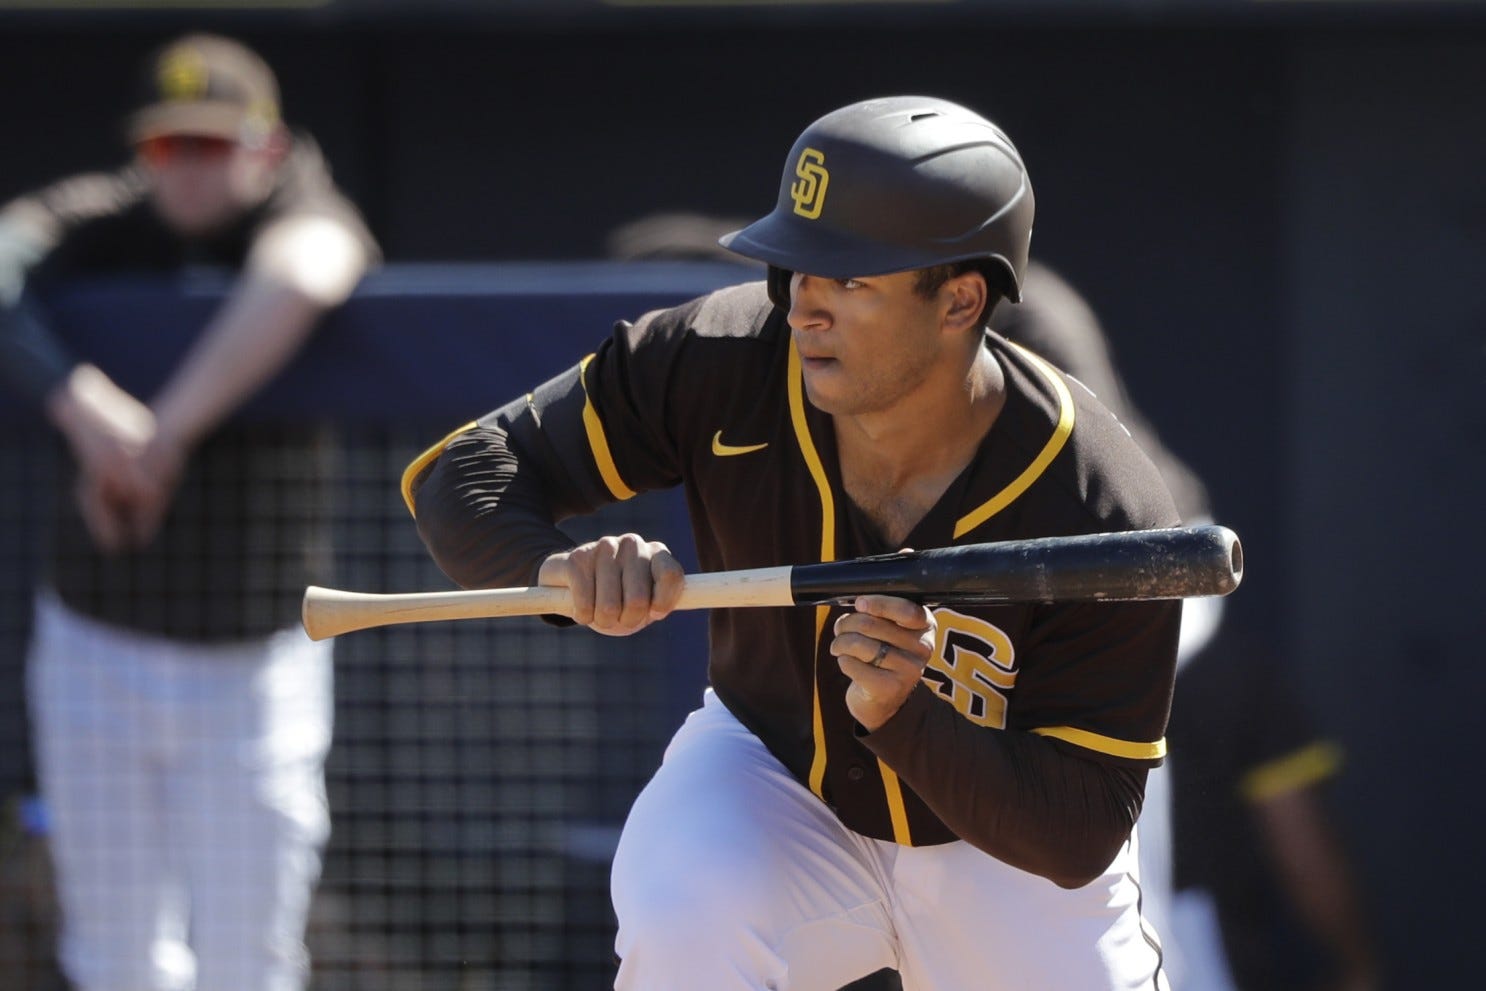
(186,792)
(730,875)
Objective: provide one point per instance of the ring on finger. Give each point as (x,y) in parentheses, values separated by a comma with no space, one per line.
(881,654)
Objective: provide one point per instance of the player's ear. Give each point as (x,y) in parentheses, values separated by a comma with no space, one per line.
(967,293)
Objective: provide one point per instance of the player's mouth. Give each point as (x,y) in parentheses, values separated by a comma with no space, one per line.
(814,359)
(814,368)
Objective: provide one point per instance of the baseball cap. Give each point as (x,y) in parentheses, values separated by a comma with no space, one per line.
(209,85)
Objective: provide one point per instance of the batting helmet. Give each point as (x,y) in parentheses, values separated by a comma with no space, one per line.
(894,184)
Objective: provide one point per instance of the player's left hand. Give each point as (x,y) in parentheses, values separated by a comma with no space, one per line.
(882,648)
(156,474)
(105,513)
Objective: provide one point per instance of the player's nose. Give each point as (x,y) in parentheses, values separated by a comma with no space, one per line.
(806,303)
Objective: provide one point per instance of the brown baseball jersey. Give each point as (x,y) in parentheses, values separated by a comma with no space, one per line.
(709,396)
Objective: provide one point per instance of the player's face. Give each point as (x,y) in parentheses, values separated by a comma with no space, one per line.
(864,343)
(199,184)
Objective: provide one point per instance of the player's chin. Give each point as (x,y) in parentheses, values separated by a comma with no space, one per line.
(830,392)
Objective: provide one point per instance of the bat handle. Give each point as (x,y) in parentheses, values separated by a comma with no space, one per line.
(329,612)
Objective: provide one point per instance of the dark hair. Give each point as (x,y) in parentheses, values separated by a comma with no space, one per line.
(932,279)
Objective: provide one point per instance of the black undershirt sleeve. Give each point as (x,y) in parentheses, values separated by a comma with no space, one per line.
(488,507)
(1022,798)
(483,513)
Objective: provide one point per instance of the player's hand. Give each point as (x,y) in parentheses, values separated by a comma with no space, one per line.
(106,513)
(105,427)
(620,585)
(882,647)
(155,475)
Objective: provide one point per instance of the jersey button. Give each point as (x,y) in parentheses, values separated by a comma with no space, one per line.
(855,773)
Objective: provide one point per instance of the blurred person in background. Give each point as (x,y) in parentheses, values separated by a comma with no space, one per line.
(1260,869)
(181,716)
(1243,873)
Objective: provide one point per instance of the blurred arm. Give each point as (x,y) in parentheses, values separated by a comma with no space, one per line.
(32,358)
(33,361)
(300,268)
(1317,878)
(106,428)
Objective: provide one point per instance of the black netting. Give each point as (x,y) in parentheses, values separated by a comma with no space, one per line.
(480,769)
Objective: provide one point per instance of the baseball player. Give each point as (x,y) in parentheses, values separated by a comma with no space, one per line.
(947,792)
(182,716)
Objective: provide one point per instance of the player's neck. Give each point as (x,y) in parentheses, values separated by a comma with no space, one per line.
(897,463)
(937,426)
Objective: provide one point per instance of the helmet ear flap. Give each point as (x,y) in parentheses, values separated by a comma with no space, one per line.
(778,284)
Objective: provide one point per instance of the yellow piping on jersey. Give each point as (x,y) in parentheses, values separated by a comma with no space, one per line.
(422,461)
(827,552)
(1292,772)
(896,810)
(598,442)
(1105,744)
(1039,464)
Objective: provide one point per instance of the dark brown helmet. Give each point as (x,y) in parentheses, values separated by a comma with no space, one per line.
(895,184)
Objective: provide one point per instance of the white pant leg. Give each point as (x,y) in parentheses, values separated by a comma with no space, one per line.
(966,920)
(94,696)
(247,801)
(187,791)
(1156,865)
(1201,619)
(730,875)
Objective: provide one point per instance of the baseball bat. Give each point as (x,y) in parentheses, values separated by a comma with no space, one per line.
(1139,564)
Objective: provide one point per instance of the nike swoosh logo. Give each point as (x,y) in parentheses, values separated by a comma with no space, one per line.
(728,450)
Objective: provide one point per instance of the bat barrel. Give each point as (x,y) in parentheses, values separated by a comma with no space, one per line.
(1143,564)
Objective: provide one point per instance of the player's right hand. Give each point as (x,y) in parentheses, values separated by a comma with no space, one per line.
(107,430)
(106,427)
(105,513)
(620,585)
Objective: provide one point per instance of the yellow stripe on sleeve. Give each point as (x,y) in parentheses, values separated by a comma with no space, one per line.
(1105,744)
(422,461)
(1039,464)
(1294,771)
(599,443)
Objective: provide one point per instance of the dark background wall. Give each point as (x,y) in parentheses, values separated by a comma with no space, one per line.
(1279,216)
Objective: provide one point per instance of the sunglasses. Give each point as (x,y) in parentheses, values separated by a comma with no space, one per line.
(162,149)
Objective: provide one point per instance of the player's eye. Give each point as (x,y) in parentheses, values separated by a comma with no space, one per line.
(850,283)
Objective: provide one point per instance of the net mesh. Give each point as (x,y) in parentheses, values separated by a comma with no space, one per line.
(479,773)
